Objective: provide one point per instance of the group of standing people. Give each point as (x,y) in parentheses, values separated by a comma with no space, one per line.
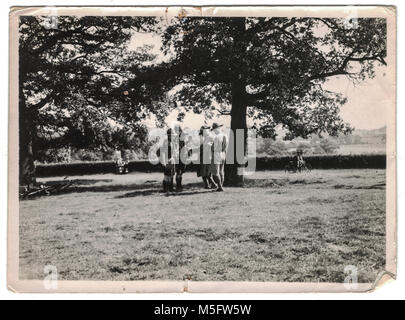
(212,157)
(213,147)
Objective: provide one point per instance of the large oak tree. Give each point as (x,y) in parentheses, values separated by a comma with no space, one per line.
(271,69)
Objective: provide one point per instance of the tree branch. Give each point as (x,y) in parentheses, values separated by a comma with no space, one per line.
(377,57)
(342,69)
(330,23)
(301,42)
(223,113)
(42,103)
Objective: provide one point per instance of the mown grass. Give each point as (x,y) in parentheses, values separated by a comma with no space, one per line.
(280,227)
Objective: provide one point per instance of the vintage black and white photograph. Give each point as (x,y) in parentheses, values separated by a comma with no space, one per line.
(193,146)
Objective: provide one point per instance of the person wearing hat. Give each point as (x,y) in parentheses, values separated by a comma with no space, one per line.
(174,148)
(219,147)
(205,158)
(117,156)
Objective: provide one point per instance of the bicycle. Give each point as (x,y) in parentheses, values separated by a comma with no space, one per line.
(293,167)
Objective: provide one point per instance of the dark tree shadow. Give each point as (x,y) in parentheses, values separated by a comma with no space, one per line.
(82,182)
(114,188)
(90,185)
(148,187)
(144,188)
(189,193)
(189,189)
(138,193)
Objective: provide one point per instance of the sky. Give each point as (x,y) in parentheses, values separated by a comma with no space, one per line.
(365,108)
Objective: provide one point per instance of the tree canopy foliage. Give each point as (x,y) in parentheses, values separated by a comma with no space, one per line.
(277,67)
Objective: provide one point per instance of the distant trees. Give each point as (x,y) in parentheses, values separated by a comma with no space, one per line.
(350,139)
(316,145)
(272,148)
(329,146)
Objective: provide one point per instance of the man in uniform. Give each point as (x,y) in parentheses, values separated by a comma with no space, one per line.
(182,155)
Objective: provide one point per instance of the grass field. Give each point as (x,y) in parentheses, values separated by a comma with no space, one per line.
(280,227)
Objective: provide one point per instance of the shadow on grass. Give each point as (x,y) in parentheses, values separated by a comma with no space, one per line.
(138,193)
(145,188)
(190,193)
(189,189)
(80,186)
(90,185)
(265,183)
(151,187)
(83,182)
(380,186)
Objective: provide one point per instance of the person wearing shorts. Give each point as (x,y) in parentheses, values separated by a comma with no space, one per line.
(219,147)
(205,158)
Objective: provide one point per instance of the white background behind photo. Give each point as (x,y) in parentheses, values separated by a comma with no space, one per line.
(392,290)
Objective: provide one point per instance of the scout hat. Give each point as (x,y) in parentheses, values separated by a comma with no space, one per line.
(216,126)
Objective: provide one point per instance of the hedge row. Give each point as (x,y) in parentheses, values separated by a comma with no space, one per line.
(81,168)
(263,163)
(369,161)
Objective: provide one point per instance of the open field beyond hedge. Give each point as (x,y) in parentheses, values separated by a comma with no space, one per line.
(280,227)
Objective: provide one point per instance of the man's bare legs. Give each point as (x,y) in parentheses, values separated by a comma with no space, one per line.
(222,173)
(213,184)
(218,181)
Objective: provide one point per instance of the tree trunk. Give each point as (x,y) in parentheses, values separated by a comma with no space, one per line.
(26,134)
(234,171)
